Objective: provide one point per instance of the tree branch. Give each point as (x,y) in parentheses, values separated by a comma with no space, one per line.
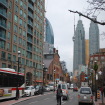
(95,21)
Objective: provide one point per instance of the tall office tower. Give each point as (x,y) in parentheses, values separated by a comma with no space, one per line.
(79,46)
(22,29)
(93,38)
(49,38)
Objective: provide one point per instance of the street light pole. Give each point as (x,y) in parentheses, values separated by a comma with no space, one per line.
(95,68)
(17,91)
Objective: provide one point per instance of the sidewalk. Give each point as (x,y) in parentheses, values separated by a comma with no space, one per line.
(12,102)
(99,101)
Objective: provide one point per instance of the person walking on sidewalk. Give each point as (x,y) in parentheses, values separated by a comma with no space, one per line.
(59,95)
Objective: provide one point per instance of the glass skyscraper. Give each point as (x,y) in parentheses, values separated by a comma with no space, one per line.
(93,38)
(49,38)
(79,46)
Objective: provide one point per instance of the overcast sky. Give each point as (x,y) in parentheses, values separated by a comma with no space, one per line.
(62,22)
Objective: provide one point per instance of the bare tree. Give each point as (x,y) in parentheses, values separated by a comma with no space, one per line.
(93,11)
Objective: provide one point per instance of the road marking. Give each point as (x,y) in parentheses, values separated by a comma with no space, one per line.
(33,102)
(46,98)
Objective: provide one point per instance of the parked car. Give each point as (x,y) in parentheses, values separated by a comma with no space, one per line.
(29,91)
(71,86)
(85,95)
(47,88)
(39,89)
(64,91)
(51,86)
(75,88)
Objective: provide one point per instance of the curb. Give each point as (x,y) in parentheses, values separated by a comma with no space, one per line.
(29,98)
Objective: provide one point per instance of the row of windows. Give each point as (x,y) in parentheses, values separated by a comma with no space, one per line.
(22,4)
(23,53)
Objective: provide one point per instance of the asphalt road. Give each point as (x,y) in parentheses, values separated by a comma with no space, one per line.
(50,99)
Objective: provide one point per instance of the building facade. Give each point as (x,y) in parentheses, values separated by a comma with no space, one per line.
(79,46)
(22,29)
(93,38)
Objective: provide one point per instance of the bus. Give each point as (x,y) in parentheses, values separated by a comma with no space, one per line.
(8,83)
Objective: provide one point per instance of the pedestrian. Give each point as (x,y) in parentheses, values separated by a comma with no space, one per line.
(59,95)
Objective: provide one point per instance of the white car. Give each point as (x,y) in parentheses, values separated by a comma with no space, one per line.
(29,91)
(47,88)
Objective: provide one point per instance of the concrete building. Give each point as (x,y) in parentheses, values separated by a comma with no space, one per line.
(79,46)
(22,29)
(94,43)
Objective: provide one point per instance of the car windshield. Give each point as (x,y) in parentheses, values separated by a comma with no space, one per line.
(51,84)
(28,88)
(85,91)
(37,87)
(63,86)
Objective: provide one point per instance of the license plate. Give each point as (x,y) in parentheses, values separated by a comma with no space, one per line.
(85,97)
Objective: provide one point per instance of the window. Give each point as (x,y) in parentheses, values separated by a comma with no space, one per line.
(3,65)
(16,18)
(21,3)
(14,58)
(9,25)
(14,48)
(9,15)
(8,35)
(3,55)
(2,44)
(20,31)
(16,8)
(20,22)
(15,28)
(8,46)
(21,12)
(10,4)
(9,57)
(24,15)
(15,38)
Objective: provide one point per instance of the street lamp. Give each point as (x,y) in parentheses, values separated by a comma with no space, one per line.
(95,69)
(54,79)
(17,91)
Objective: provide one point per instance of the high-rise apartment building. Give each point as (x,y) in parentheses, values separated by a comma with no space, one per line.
(79,46)
(93,38)
(22,29)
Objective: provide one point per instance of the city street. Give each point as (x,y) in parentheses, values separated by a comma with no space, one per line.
(50,99)
(47,99)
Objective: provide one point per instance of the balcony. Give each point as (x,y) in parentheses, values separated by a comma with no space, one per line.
(4,3)
(30,23)
(29,49)
(30,32)
(29,40)
(31,6)
(2,36)
(3,14)
(30,15)
(2,25)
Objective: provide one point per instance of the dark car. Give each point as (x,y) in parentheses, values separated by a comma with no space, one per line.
(39,89)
